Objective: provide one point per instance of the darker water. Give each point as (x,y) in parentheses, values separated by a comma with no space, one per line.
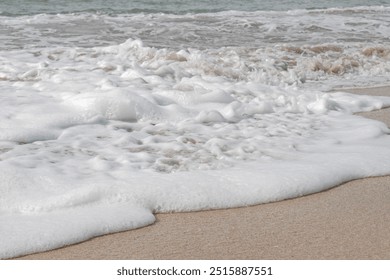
(31,7)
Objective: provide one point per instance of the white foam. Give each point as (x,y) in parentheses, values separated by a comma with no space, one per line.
(96,140)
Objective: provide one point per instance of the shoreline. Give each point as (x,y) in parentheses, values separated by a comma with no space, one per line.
(381,90)
(349,221)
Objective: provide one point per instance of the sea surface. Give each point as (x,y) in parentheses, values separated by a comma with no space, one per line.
(111,111)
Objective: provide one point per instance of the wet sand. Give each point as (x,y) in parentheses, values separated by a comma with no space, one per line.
(350,221)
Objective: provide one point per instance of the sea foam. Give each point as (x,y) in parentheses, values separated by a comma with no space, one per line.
(96,140)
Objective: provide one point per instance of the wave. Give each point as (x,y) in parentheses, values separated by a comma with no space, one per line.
(323,66)
(96,140)
(200,31)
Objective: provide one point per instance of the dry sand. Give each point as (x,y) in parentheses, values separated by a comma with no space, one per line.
(350,221)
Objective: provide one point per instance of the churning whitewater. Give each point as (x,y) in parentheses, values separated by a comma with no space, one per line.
(96,137)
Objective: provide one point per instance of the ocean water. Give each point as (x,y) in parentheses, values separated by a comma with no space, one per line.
(111,111)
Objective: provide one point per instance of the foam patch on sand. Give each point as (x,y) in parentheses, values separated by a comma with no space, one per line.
(96,140)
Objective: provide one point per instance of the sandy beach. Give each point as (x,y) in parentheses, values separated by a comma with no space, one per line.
(350,221)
